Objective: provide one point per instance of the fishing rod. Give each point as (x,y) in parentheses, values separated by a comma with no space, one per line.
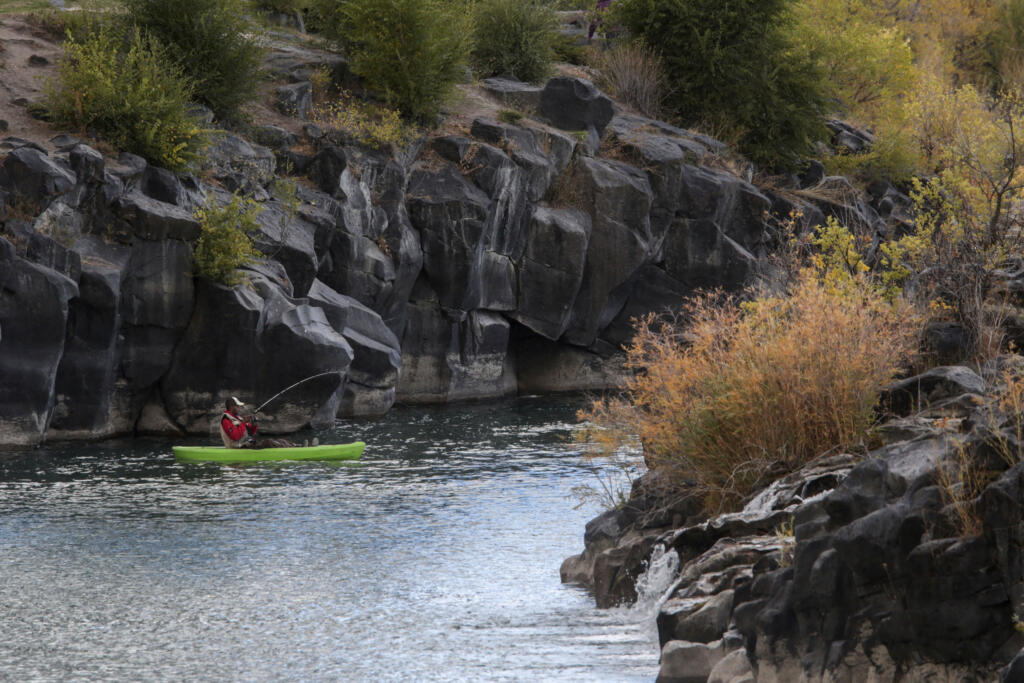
(301,381)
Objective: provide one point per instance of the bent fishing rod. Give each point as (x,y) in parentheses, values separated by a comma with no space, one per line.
(287,389)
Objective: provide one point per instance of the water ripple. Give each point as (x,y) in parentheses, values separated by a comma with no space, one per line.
(434,559)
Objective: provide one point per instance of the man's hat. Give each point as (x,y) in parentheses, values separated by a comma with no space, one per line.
(233,402)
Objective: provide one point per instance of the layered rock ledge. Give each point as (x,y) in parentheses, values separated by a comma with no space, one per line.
(850,569)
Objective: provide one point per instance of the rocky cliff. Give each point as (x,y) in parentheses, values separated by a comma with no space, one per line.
(900,565)
(484,259)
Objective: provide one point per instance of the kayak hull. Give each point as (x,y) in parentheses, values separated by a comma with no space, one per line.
(344,451)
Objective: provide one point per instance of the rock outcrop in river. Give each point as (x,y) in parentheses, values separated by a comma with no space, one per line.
(886,567)
(487,259)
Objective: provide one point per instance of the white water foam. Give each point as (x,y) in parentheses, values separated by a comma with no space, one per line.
(658,581)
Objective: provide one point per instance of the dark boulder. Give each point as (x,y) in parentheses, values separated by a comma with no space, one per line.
(538,158)
(618,199)
(274,137)
(327,167)
(151,219)
(697,620)
(295,99)
(290,240)
(29,172)
(378,358)
(128,170)
(652,291)
(550,269)
(545,366)
(575,104)
(513,93)
(87,164)
(241,166)
(850,138)
(934,385)
(812,174)
(87,404)
(41,248)
(157,300)
(448,355)
(355,266)
(451,215)
(161,185)
(719,231)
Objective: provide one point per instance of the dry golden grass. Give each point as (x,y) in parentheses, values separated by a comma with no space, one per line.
(633,73)
(747,392)
(964,476)
(961,481)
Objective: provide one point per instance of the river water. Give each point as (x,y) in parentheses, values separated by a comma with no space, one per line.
(435,558)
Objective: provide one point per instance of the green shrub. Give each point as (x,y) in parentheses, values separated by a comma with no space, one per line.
(513,38)
(132,94)
(412,52)
(225,244)
(212,42)
(1002,57)
(731,65)
(567,49)
(510,116)
(868,66)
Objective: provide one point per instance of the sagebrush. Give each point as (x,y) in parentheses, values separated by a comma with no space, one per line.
(633,73)
(742,393)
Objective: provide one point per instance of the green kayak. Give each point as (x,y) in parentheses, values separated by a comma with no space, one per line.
(344,451)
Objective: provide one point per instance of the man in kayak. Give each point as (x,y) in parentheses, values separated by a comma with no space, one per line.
(236,431)
(239,432)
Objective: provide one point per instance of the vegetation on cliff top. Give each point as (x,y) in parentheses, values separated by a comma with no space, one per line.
(211,41)
(733,67)
(131,93)
(411,51)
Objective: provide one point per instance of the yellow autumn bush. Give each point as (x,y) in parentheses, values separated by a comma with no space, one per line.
(369,124)
(741,393)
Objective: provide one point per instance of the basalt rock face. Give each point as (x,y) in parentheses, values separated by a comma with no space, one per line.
(252,342)
(852,568)
(34,303)
(479,261)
